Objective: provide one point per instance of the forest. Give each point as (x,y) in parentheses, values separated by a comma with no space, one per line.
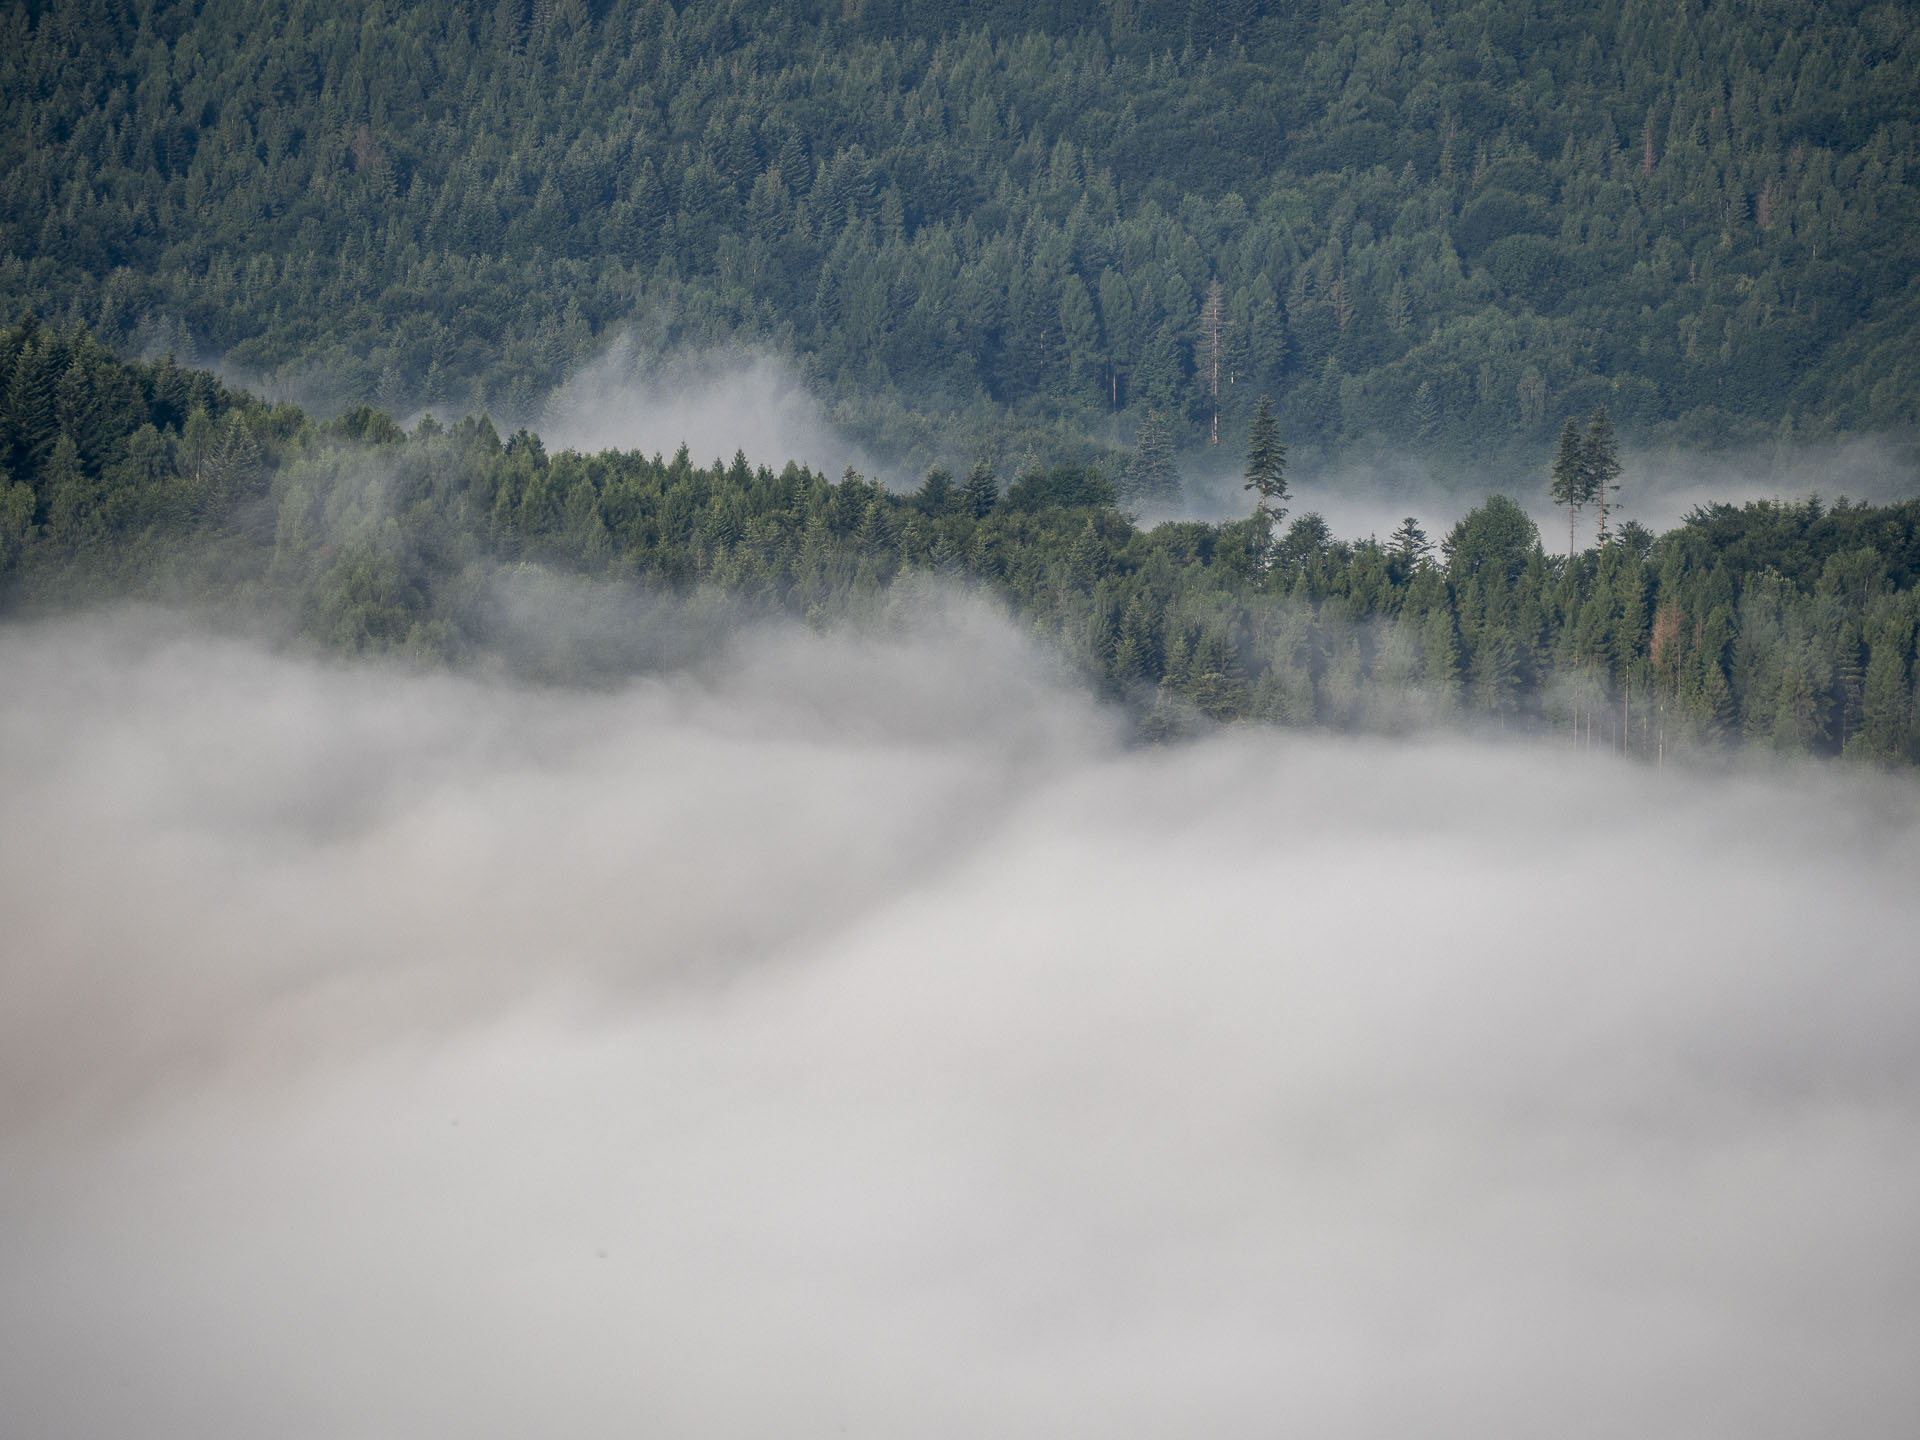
(1784,627)
(1000,229)
(1157,718)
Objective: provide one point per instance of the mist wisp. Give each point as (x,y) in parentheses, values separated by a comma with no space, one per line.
(855,1036)
(1659,488)
(719,401)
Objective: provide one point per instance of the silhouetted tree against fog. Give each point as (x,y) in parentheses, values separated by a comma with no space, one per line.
(1599,466)
(1568,485)
(1266,474)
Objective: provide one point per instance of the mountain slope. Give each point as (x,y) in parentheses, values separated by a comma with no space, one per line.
(1438,228)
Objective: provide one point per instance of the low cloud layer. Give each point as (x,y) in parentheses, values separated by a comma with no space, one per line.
(713,403)
(854,1037)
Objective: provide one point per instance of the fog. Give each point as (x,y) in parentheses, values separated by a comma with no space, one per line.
(857,1036)
(717,402)
(1658,487)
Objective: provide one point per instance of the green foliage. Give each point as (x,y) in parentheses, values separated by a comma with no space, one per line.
(1004,227)
(1791,627)
(1567,481)
(1266,473)
(99,454)
(1599,466)
(1064,486)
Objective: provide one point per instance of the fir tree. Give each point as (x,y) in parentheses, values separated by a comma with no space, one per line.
(1569,476)
(1426,412)
(1409,545)
(1600,465)
(981,492)
(1266,473)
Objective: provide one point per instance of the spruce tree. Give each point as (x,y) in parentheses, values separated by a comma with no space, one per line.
(17,506)
(981,492)
(937,494)
(1569,476)
(1266,462)
(1136,657)
(73,518)
(1600,465)
(1426,412)
(32,425)
(1409,544)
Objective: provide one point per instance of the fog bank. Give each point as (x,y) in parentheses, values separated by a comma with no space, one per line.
(714,403)
(855,1037)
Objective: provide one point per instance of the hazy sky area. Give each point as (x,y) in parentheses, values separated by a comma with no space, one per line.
(855,1037)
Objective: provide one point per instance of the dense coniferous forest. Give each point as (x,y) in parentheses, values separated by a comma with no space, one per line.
(1002,228)
(1076,240)
(1789,627)
(516,920)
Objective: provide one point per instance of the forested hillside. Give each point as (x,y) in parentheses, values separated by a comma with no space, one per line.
(1791,628)
(1016,229)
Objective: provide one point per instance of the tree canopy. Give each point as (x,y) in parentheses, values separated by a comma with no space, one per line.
(1432,228)
(1789,627)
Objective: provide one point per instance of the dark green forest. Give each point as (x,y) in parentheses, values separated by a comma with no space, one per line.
(1501,237)
(1017,229)
(1789,627)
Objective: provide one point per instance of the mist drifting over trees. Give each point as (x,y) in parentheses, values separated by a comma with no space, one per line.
(970,719)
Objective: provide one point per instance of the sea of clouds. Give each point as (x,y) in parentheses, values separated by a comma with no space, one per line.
(858,1036)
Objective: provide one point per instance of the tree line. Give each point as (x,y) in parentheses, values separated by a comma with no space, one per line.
(1047,231)
(1789,627)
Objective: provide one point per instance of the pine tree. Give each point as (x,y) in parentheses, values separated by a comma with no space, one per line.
(1600,465)
(981,491)
(1266,473)
(1569,476)
(1441,651)
(1426,412)
(32,426)
(937,494)
(73,509)
(1399,308)
(234,463)
(1327,412)
(652,215)
(1887,711)
(1136,657)
(1409,545)
(17,506)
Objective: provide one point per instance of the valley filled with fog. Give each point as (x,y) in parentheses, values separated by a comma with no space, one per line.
(859,1034)
(942,721)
